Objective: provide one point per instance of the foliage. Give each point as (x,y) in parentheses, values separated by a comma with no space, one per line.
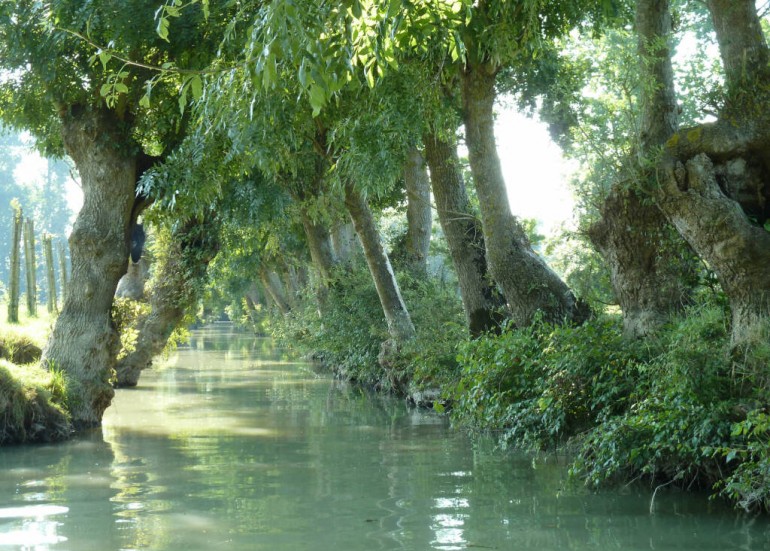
(668,410)
(347,334)
(126,313)
(539,385)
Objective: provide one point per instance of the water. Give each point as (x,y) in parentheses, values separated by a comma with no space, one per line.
(236,446)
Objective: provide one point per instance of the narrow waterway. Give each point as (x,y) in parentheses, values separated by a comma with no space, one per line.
(237,446)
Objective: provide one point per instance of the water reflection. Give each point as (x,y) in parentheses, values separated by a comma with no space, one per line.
(237,446)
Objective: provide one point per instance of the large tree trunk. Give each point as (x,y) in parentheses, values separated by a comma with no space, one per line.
(528,284)
(742,45)
(718,229)
(175,289)
(705,171)
(647,270)
(84,342)
(418,213)
(397,316)
(482,304)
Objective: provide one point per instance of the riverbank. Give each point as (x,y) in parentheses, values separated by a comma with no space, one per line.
(32,399)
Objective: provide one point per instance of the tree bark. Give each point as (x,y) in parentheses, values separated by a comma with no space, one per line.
(482,304)
(399,322)
(84,342)
(14,286)
(175,289)
(528,284)
(641,251)
(53,307)
(31,266)
(418,212)
(647,270)
(742,46)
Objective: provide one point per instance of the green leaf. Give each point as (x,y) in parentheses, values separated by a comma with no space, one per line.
(162,29)
(196,86)
(394,7)
(121,88)
(145,101)
(104,57)
(317,98)
(105,90)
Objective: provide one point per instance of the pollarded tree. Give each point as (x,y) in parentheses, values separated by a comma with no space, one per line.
(713,177)
(56,88)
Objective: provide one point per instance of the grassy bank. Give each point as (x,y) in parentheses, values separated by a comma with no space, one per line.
(31,398)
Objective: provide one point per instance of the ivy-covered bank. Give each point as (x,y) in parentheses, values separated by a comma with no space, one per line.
(677,408)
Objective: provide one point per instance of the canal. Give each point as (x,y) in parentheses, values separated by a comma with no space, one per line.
(236,445)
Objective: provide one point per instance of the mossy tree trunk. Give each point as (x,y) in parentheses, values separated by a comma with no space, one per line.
(176,286)
(84,342)
(713,178)
(482,304)
(14,286)
(30,263)
(528,284)
(52,304)
(418,212)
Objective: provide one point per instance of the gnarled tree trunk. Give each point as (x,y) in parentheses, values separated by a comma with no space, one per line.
(418,213)
(175,289)
(528,284)
(482,303)
(84,342)
(397,316)
(706,169)
(647,270)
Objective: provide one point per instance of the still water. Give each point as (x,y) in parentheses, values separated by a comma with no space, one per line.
(237,446)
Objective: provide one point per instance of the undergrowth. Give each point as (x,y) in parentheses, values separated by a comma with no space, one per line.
(676,409)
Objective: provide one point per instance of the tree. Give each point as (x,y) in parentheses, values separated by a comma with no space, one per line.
(712,174)
(482,304)
(177,283)
(418,211)
(14,287)
(59,91)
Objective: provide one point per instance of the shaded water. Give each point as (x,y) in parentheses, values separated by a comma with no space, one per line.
(236,446)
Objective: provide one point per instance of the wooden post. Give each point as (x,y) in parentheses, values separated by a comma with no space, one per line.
(31,266)
(53,307)
(14,287)
(63,275)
